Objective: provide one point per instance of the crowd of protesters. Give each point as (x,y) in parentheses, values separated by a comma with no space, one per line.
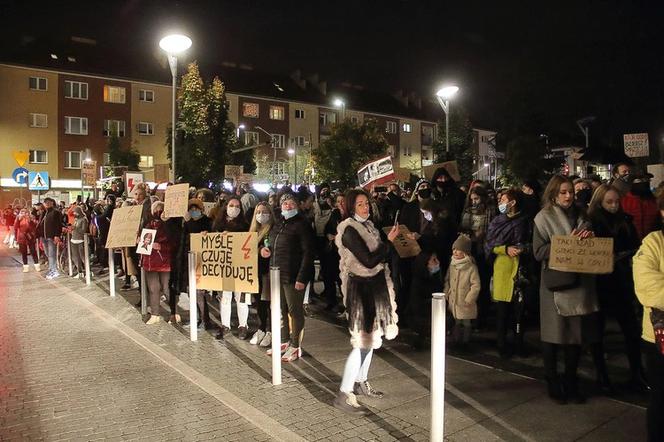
(486,248)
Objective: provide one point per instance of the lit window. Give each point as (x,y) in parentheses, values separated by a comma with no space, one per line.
(114,127)
(146,95)
(106,159)
(407,127)
(72,159)
(76,90)
(250,138)
(146,161)
(250,110)
(145,128)
(38,120)
(114,94)
(38,83)
(299,114)
(276,113)
(391,127)
(38,157)
(76,125)
(278,141)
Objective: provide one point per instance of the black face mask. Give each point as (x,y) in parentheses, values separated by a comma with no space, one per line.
(583,196)
(424,193)
(443,184)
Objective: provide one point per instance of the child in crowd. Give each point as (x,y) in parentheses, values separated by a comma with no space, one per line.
(462,287)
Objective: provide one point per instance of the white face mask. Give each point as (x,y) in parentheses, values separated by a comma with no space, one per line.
(263,218)
(233,212)
(427,215)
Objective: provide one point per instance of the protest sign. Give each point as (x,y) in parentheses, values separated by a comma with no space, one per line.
(572,254)
(233,171)
(89,173)
(226,261)
(176,200)
(451,167)
(124,227)
(131,180)
(406,246)
(636,145)
(146,241)
(208,208)
(381,169)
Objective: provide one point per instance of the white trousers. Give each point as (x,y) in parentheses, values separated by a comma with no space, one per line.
(242,308)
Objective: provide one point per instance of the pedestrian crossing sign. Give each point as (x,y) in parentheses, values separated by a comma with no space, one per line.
(38,180)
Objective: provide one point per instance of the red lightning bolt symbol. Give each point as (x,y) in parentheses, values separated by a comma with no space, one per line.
(245,249)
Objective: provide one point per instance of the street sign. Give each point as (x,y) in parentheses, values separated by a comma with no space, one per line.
(38,180)
(20,156)
(20,175)
(89,173)
(636,145)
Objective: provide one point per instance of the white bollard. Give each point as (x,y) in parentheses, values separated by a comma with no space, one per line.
(111,272)
(38,251)
(193,312)
(438,312)
(86,253)
(275,324)
(71,272)
(144,295)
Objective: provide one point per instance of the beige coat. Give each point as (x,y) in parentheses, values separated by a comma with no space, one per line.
(462,287)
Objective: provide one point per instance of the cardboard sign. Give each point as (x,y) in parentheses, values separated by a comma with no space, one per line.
(226,261)
(406,247)
(124,227)
(375,170)
(571,254)
(636,145)
(131,180)
(146,241)
(451,167)
(176,200)
(233,171)
(89,173)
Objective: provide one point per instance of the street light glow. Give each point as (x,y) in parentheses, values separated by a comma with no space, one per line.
(241,126)
(175,43)
(291,151)
(447,92)
(338,102)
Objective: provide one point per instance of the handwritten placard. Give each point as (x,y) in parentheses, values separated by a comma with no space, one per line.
(226,261)
(406,246)
(176,200)
(572,254)
(124,227)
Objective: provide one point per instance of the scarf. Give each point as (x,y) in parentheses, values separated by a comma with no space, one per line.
(461,263)
(505,231)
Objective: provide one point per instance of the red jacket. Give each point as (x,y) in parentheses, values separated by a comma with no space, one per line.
(644,212)
(25,230)
(159,260)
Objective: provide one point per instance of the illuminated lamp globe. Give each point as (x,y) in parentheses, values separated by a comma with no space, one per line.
(175,43)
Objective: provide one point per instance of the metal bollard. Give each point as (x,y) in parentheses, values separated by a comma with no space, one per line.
(275,324)
(71,272)
(37,243)
(86,253)
(111,272)
(193,313)
(144,295)
(438,311)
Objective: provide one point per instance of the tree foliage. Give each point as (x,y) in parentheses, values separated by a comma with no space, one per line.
(349,147)
(119,156)
(528,158)
(461,142)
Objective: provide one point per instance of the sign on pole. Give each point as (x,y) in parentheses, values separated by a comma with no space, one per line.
(89,173)
(20,175)
(636,145)
(226,261)
(176,199)
(572,254)
(38,180)
(124,227)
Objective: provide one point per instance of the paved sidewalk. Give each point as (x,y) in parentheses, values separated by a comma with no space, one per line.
(76,364)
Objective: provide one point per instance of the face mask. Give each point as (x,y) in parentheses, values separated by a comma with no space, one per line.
(233,212)
(359,219)
(612,209)
(584,195)
(288,214)
(195,214)
(424,193)
(625,177)
(263,218)
(427,215)
(434,270)
(502,208)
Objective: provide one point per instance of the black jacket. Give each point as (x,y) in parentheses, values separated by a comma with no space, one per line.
(203,224)
(292,245)
(50,225)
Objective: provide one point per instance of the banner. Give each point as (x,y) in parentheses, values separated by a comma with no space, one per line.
(451,167)
(124,227)
(176,199)
(226,261)
(406,246)
(636,145)
(572,254)
(89,173)
(375,170)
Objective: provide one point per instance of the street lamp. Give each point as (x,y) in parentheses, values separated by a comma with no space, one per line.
(174,44)
(241,126)
(444,95)
(339,103)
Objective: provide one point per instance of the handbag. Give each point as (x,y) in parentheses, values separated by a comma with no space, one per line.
(555,280)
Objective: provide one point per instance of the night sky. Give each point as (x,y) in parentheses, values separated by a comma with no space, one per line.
(524,67)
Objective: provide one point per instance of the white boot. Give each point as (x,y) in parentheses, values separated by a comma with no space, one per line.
(37,268)
(26,268)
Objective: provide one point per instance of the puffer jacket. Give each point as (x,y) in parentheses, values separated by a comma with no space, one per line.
(25,230)
(649,279)
(644,212)
(462,286)
(292,245)
(158,260)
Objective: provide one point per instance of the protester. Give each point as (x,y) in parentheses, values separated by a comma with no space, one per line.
(462,287)
(9,216)
(331,274)
(640,203)
(78,228)
(446,192)
(620,177)
(368,297)
(25,230)
(50,229)
(262,223)
(157,265)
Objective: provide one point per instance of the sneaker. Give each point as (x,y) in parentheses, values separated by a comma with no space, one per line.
(291,354)
(153,319)
(257,337)
(365,389)
(26,268)
(37,268)
(242,332)
(283,348)
(175,319)
(52,275)
(125,287)
(347,402)
(267,340)
(222,332)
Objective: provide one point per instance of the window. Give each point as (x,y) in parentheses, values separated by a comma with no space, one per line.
(279,168)
(145,128)
(72,159)
(114,127)
(114,94)
(327,118)
(391,127)
(146,161)
(38,83)
(407,127)
(38,157)
(76,89)
(76,125)
(38,120)
(146,95)
(250,110)
(299,114)
(250,138)
(354,119)
(276,112)
(427,135)
(106,159)
(278,141)
(299,141)
(407,151)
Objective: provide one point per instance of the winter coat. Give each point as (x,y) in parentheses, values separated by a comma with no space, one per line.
(158,260)
(505,231)
(649,279)
(423,284)
(203,224)
(475,221)
(462,287)
(50,225)
(25,230)
(292,246)
(644,211)
(80,228)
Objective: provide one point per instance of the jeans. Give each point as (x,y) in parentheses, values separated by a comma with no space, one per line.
(24,248)
(292,313)
(51,254)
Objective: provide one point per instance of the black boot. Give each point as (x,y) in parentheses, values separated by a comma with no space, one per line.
(571,389)
(638,382)
(555,390)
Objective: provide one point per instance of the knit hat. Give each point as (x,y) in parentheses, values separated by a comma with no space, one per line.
(462,244)
(196,202)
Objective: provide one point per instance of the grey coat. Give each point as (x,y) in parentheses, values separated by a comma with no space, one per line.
(557,329)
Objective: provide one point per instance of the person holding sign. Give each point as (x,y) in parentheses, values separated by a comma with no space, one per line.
(231,219)
(568,301)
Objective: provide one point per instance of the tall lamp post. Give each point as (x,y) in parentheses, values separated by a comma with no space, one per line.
(443,95)
(174,44)
(341,104)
